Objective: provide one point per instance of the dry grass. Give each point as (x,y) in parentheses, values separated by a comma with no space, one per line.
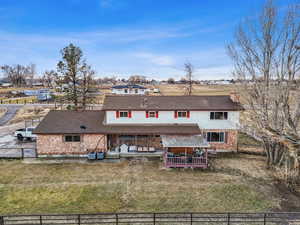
(3,110)
(141,186)
(19,100)
(179,89)
(30,112)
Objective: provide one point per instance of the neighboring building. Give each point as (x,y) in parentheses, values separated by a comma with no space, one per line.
(129,89)
(138,123)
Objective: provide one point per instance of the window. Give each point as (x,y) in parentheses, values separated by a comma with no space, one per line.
(136,91)
(182,114)
(215,137)
(152,114)
(124,114)
(72,138)
(126,91)
(218,115)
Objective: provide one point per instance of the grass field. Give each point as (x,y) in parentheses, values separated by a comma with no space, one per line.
(235,184)
(180,89)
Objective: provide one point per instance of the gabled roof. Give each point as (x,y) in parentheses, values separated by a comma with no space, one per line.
(201,103)
(128,86)
(93,122)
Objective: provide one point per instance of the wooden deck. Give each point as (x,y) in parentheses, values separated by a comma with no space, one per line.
(185,161)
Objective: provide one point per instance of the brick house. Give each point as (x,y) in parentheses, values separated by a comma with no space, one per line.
(143,124)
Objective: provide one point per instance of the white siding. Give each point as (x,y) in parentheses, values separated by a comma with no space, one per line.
(202,118)
(129,91)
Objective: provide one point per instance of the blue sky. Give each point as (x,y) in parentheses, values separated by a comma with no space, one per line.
(124,37)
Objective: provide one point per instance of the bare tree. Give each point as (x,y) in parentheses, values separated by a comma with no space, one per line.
(189,69)
(137,79)
(31,72)
(171,80)
(49,78)
(266,60)
(16,74)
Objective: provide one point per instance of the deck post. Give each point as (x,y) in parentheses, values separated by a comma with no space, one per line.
(191,218)
(265,218)
(1,220)
(41,221)
(228,218)
(206,157)
(117,219)
(78,219)
(154,218)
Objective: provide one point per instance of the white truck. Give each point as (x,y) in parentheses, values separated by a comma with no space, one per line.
(25,133)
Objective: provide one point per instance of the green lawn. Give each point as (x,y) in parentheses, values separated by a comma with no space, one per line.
(127,186)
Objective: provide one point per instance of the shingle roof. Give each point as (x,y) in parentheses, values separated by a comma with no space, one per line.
(184,141)
(70,122)
(170,103)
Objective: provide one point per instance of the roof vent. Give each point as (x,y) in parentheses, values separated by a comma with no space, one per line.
(145,103)
(83,127)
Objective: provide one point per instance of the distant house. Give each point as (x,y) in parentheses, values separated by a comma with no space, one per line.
(129,89)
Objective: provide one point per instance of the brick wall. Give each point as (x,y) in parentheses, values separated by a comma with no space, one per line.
(231,142)
(55,144)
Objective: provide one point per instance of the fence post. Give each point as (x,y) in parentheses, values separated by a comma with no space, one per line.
(117,219)
(265,218)
(22,153)
(154,221)
(41,222)
(228,219)
(1,220)
(78,219)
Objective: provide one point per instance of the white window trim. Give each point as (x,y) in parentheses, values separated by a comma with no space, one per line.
(224,135)
(218,111)
(123,112)
(151,112)
(186,114)
(64,138)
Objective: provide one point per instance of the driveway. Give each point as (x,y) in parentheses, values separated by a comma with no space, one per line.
(10,113)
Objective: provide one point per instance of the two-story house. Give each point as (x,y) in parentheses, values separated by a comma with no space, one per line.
(143,124)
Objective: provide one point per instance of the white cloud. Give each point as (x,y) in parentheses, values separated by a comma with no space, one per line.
(106,3)
(118,51)
(160,60)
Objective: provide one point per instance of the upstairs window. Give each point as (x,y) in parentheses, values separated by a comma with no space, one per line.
(151,114)
(182,114)
(72,138)
(218,115)
(215,137)
(124,114)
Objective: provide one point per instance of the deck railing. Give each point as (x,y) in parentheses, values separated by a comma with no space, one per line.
(186,161)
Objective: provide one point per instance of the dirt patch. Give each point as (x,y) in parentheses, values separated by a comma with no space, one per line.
(31,112)
(290,200)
